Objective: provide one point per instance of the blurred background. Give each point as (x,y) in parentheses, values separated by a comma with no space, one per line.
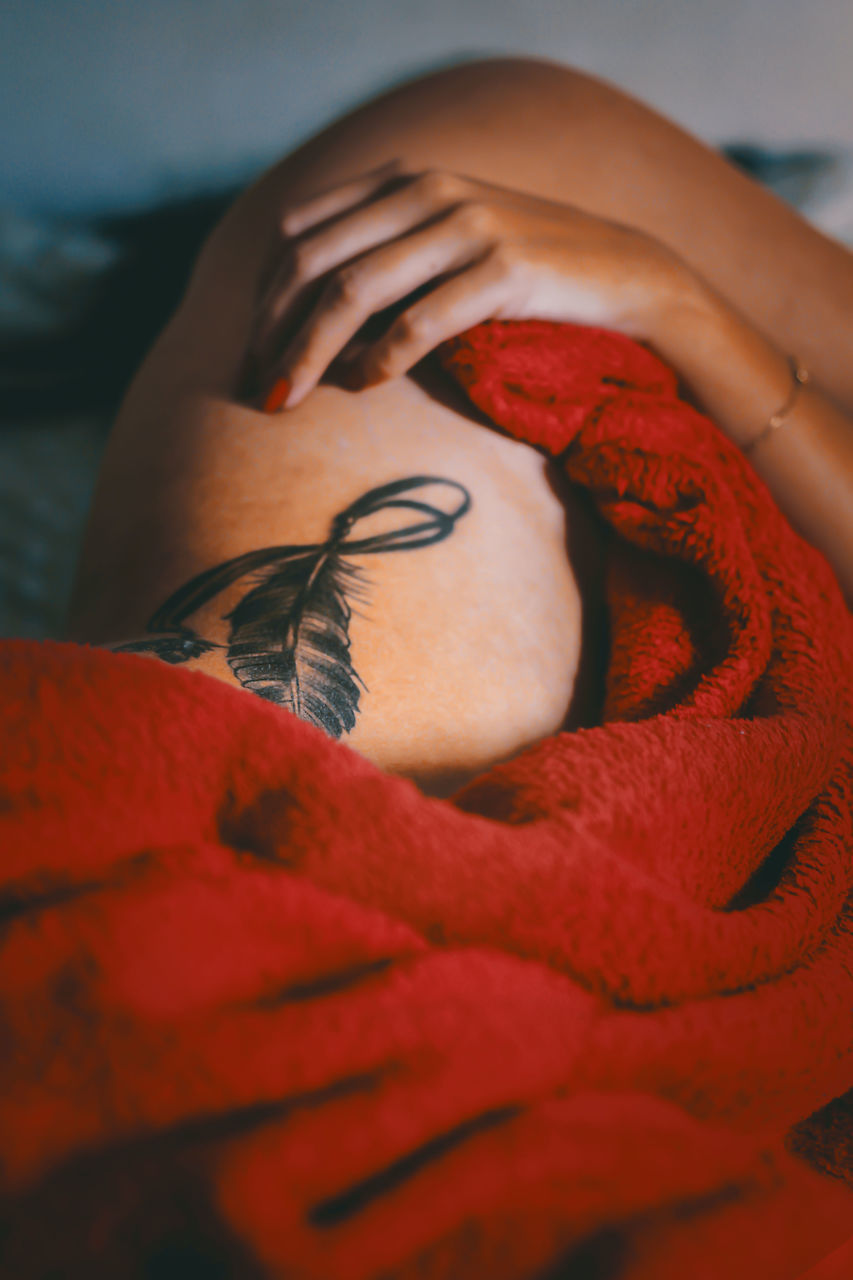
(130,124)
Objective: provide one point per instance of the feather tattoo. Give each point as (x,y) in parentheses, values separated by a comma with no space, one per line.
(289,634)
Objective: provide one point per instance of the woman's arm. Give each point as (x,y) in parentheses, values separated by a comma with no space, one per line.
(491,252)
(739,378)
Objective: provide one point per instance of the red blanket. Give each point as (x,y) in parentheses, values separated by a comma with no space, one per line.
(266,1011)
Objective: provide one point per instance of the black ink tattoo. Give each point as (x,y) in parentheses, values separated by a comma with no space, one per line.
(289,638)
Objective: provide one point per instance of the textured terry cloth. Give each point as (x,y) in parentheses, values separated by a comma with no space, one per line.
(267,1011)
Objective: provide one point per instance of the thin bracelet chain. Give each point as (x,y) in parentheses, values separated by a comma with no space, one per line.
(801,376)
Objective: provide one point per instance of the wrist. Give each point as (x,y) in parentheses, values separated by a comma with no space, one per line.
(686,304)
(728,368)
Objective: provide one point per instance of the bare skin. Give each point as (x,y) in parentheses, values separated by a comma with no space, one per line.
(728,280)
(490,252)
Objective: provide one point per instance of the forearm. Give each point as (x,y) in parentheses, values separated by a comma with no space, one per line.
(736,375)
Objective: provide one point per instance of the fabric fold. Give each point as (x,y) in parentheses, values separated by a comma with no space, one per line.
(268,1009)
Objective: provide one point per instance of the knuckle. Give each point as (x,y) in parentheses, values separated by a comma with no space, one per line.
(399,172)
(474,217)
(342,287)
(502,257)
(436,184)
(405,329)
(393,354)
(299,260)
(378,363)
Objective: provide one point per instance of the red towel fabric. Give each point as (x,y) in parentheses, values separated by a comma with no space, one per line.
(266,1011)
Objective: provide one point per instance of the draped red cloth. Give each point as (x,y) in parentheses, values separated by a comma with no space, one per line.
(267,1011)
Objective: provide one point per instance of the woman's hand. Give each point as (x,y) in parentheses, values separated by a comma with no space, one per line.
(469,251)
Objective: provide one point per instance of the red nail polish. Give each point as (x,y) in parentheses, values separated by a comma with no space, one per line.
(277,394)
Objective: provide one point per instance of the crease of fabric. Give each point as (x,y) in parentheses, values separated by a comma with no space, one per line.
(266,1009)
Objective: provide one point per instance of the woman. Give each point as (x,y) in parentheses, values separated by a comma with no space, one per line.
(252,543)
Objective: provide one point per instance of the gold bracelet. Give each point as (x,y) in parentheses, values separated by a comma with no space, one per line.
(801,376)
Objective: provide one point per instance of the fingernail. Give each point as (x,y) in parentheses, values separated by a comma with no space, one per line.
(277,394)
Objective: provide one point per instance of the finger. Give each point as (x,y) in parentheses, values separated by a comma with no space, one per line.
(297,219)
(363,229)
(359,289)
(302,216)
(483,291)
